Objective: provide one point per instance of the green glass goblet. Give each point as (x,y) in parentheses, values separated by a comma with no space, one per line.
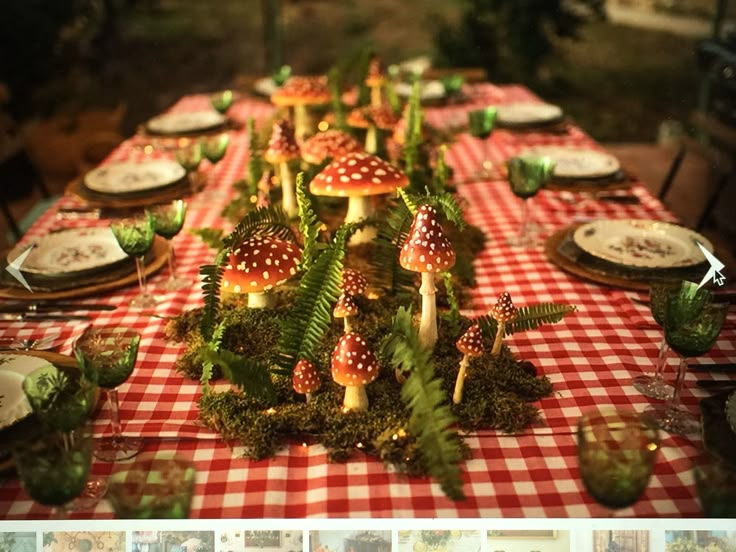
(215,147)
(617,451)
(452,85)
(168,222)
(527,174)
(189,156)
(281,75)
(715,483)
(55,469)
(221,101)
(690,338)
(135,236)
(154,486)
(107,355)
(481,123)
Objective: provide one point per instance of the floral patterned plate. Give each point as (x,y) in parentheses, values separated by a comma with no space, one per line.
(574,163)
(185,122)
(126,178)
(641,243)
(527,114)
(13,403)
(70,251)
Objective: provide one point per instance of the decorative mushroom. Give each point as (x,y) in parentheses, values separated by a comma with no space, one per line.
(470,345)
(263,196)
(375,80)
(372,118)
(345,308)
(259,264)
(353,366)
(299,92)
(305,378)
(358,176)
(353,282)
(502,312)
(282,148)
(428,251)
(330,143)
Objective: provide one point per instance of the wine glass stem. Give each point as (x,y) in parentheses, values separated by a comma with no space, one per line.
(141,275)
(524,229)
(486,164)
(172,262)
(674,402)
(664,349)
(112,401)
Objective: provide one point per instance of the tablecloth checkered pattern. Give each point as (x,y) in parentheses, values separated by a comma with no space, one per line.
(590,357)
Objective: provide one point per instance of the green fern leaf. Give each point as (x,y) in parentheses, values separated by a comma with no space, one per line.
(411,201)
(265,221)
(392,232)
(527,318)
(308,321)
(454,314)
(441,171)
(413,135)
(255,161)
(207,365)
(252,377)
(334,80)
(211,236)
(211,282)
(309,224)
(431,419)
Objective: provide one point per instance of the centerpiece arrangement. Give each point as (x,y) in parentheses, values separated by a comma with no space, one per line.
(345,329)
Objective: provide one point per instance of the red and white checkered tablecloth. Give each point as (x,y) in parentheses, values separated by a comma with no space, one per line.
(590,357)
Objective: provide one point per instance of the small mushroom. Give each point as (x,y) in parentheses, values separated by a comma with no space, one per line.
(375,80)
(427,251)
(328,144)
(353,366)
(299,92)
(305,378)
(345,308)
(353,282)
(263,187)
(470,345)
(282,148)
(259,264)
(372,118)
(502,312)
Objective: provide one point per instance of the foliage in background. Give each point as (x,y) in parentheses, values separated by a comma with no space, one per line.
(510,39)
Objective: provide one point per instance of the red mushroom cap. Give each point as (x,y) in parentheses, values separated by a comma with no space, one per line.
(345,306)
(282,146)
(353,282)
(426,248)
(358,174)
(471,342)
(382,117)
(504,309)
(299,90)
(259,264)
(330,143)
(305,377)
(353,363)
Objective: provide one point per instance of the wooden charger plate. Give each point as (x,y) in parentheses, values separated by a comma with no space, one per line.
(96,200)
(159,258)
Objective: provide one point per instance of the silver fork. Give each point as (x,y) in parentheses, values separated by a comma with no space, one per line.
(38,344)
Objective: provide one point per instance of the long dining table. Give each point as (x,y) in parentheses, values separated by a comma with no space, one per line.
(590,357)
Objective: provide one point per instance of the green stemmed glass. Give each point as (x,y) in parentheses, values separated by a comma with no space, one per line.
(716,486)
(108,356)
(481,123)
(168,222)
(690,337)
(135,236)
(154,486)
(281,75)
(189,156)
(221,101)
(215,147)
(452,84)
(617,451)
(527,174)
(55,469)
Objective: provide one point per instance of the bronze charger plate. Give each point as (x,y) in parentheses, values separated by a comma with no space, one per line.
(97,200)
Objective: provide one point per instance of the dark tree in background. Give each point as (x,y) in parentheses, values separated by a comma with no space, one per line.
(510,39)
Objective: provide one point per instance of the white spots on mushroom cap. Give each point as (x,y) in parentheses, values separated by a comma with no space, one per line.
(261,263)
(426,248)
(358,174)
(471,342)
(504,309)
(348,371)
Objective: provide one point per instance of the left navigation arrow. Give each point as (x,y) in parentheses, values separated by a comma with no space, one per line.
(14,268)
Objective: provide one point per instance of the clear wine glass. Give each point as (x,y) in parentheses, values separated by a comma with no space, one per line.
(135,236)
(654,385)
(221,101)
(617,451)
(54,470)
(527,174)
(108,355)
(691,338)
(154,486)
(481,123)
(168,222)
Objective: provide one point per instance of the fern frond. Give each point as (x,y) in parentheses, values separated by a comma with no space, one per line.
(211,236)
(251,376)
(207,365)
(392,232)
(211,282)
(527,318)
(446,203)
(308,321)
(454,313)
(309,224)
(441,171)
(255,161)
(334,80)
(410,200)
(413,135)
(265,221)
(431,419)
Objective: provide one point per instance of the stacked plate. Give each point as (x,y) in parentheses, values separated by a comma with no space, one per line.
(13,369)
(577,165)
(178,124)
(431,90)
(527,115)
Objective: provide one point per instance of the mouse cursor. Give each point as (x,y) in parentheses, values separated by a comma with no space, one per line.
(14,268)
(714,271)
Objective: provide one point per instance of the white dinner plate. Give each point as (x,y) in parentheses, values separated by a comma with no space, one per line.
(13,403)
(265,86)
(70,251)
(126,178)
(527,113)
(183,123)
(573,163)
(428,90)
(642,243)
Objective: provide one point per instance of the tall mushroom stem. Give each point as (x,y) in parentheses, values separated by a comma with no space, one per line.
(499,338)
(359,208)
(302,123)
(260,300)
(288,195)
(457,396)
(376,96)
(308,397)
(371,139)
(428,324)
(355,398)
(347,325)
